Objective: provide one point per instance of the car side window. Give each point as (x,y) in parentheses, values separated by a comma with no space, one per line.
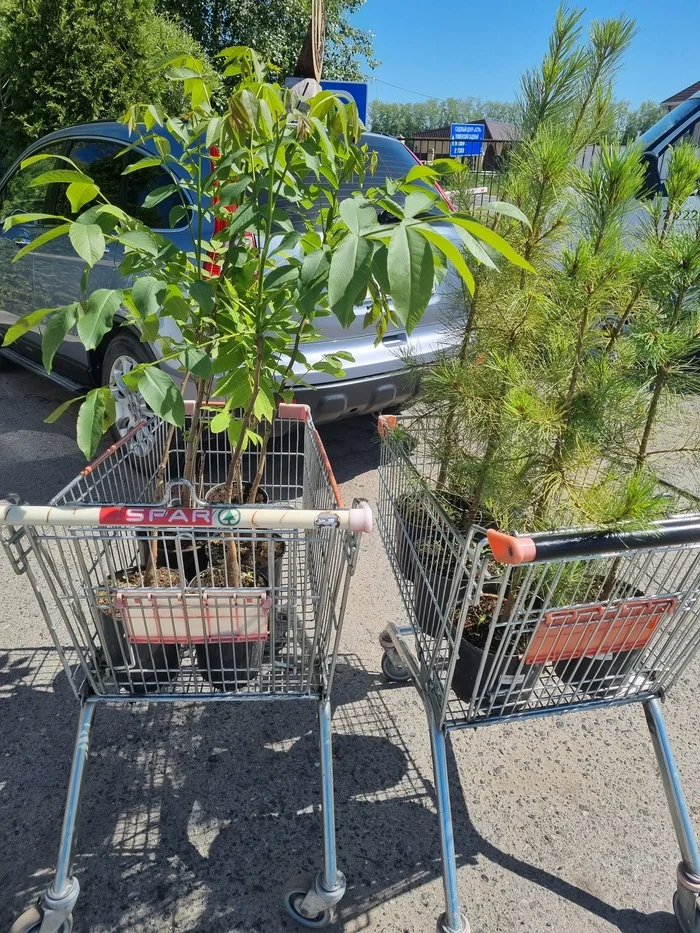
(19,195)
(139,185)
(100,160)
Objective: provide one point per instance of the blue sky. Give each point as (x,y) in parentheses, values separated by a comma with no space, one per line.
(457,48)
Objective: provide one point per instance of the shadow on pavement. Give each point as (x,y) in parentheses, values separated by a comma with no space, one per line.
(197,815)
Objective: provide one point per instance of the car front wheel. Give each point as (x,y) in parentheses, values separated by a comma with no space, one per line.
(123,353)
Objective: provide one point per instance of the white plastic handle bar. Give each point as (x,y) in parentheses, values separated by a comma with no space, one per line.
(222,517)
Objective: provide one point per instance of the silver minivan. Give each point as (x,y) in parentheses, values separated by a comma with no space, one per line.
(377,379)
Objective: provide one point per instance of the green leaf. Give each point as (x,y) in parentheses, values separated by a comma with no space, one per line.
(158,195)
(241,219)
(196,361)
(379,268)
(55,332)
(351,267)
(480,251)
(447,166)
(146,162)
(62,408)
(421,172)
(24,325)
(81,193)
(59,175)
(230,193)
(493,239)
(102,305)
(162,395)
(15,219)
(220,422)
(503,207)
(282,277)
(91,419)
(264,405)
(411,274)
(51,234)
(113,210)
(448,249)
(147,294)
(235,387)
(88,241)
(357,214)
(177,308)
(140,242)
(417,203)
(204,293)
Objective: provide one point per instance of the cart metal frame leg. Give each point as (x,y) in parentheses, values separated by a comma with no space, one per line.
(312,901)
(453,920)
(686,900)
(57,902)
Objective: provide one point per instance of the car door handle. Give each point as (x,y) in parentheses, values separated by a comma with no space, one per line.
(21,240)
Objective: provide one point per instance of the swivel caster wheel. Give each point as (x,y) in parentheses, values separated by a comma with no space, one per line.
(295,892)
(394,673)
(30,922)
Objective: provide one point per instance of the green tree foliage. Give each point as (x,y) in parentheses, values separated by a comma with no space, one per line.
(535,407)
(630,124)
(397,119)
(277,28)
(69,62)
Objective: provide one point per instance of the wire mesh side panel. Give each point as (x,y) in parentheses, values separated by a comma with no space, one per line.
(199,610)
(494,641)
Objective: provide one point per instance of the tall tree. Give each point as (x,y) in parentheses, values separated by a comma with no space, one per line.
(632,123)
(72,61)
(277,29)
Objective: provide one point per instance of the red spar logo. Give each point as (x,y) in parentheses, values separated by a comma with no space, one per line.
(169,518)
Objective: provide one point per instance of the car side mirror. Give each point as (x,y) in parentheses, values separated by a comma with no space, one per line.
(652,177)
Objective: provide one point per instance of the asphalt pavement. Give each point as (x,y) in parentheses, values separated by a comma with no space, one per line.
(194,817)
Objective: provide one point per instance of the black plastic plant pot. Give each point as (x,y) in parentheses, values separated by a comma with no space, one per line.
(171,551)
(602,674)
(598,678)
(138,668)
(411,526)
(513,683)
(230,666)
(431,598)
(216,495)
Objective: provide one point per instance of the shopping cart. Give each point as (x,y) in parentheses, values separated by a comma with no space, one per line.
(505,627)
(152,593)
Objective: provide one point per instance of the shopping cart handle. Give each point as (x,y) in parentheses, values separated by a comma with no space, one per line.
(676,531)
(222,517)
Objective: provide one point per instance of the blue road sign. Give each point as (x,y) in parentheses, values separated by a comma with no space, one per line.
(352,90)
(466,139)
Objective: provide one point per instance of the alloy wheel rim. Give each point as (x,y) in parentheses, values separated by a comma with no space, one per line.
(131,407)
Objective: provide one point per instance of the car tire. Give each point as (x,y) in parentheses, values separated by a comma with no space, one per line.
(122,354)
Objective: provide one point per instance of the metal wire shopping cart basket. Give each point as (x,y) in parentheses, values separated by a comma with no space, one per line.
(508,627)
(163,592)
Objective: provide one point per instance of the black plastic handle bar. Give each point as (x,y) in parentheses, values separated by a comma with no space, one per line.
(673,532)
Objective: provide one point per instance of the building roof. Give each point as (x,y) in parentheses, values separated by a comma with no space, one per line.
(494,130)
(678,98)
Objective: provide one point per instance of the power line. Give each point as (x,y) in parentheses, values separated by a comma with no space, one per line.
(408,90)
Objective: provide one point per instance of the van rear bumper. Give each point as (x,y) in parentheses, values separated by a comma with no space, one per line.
(346,398)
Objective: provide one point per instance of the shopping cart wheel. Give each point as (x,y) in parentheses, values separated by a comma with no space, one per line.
(394,673)
(295,892)
(30,922)
(686,923)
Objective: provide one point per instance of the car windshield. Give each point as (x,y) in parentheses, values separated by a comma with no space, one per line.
(394,161)
(659,132)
